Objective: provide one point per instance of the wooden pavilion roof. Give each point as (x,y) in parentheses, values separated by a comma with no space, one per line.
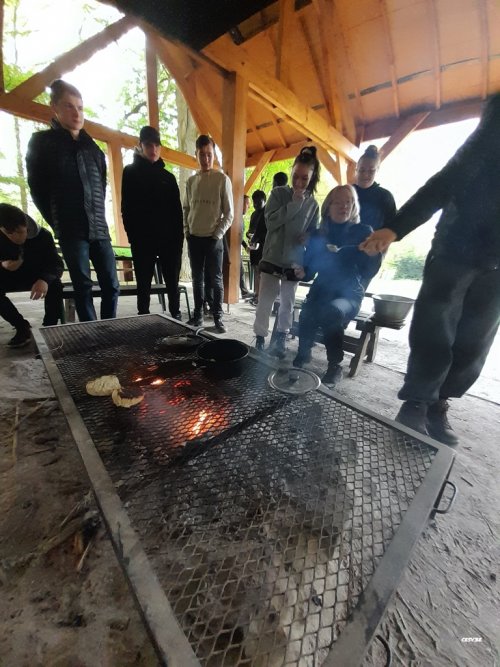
(332,71)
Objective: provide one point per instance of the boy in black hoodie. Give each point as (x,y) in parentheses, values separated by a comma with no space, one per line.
(28,261)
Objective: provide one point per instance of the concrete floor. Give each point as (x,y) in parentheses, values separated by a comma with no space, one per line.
(449,591)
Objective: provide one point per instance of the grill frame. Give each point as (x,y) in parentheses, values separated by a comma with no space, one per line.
(165,632)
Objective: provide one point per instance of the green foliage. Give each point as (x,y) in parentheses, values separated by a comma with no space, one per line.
(407,263)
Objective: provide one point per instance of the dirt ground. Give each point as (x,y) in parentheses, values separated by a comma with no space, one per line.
(61,606)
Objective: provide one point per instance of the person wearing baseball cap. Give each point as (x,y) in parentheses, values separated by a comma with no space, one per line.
(152,217)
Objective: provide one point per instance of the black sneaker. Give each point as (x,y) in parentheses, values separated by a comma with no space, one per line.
(278,346)
(259,343)
(196,320)
(219,325)
(438,425)
(178,317)
(414,415)
(332,376)
(22,336)
(303,357)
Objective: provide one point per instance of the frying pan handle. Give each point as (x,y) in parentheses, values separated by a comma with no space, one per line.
(451,500)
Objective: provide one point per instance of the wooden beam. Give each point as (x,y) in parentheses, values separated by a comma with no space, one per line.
(253,127)
(285,40)
(178,62)
(330,164)
(264,160)
(43,114)
(287,153)
(234,127)
(390,54)
(234,58)
(485,48)
(115,177)
(152,84)
(434,33)
(2,81)
(406,127)
(316,66)
(67,62)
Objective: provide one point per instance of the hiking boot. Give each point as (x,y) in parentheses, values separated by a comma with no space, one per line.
(219,325)
(22,336)
(196,320)
(332,376)
(259,343)
(438,425)
(303,357)
(278,347)
(414,415)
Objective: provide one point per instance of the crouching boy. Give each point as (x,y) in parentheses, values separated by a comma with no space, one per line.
(28,262)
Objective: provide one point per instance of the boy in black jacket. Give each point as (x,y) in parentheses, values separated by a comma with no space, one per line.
(152,217)
(28,261)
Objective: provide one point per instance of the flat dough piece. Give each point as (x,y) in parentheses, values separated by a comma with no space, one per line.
(103,386)
(126,397)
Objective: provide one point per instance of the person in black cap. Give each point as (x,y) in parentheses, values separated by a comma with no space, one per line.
(152,217)
(28,261)
(457,311)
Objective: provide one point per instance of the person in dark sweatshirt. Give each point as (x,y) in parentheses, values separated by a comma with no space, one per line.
(377,205)
(341,271)
(457,312)
(152,217)
(28,261)
(67,179)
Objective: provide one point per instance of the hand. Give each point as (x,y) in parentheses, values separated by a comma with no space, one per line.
(378,241)
(298,195)
(39,290)
(12,264)
(299,272)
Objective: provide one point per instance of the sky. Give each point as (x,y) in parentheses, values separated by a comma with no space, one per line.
(54,26)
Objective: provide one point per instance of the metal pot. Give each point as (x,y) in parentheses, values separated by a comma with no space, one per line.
(223,358)
(391,308)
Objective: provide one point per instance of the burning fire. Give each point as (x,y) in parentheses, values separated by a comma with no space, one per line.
(158,381)
(198,425)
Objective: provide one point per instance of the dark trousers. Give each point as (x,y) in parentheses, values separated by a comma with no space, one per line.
(330,315)
(22,280)
(206,252)
(456,317)
(145,257)
(78,254)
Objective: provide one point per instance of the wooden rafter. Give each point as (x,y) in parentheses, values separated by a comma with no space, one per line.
(279,154)
(264,160)
(325,20)
(152,84)
(485,48)
(252,125)
(316,64)
(178,62)
(284,43)
(390,53)
(233,58)
(43,114)
(330,164)
(115,177)
(434,32)
(405,128)
(37,83)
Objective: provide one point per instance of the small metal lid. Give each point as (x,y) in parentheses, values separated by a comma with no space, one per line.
(293,380)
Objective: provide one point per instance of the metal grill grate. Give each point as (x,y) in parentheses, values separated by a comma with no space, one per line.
(264,516)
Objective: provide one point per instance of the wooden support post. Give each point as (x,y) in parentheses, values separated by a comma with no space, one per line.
(152,84)
(332,165)
(233,152)
(259,167)
(406,127)
(115,173)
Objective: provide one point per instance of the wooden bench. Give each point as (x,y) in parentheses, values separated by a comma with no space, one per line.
(362,347)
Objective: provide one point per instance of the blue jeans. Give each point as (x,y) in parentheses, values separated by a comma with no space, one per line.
(78,254)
